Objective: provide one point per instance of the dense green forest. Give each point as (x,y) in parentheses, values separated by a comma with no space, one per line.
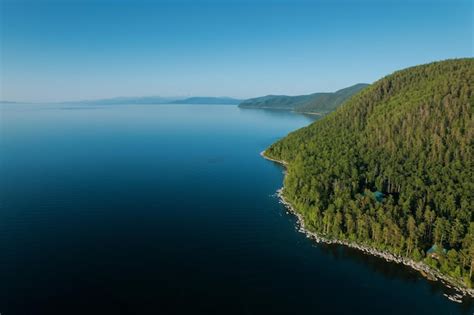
(392,167)
(322,103)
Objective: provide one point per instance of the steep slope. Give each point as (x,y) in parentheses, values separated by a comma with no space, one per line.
(392,168)
(327,102)
(313,103)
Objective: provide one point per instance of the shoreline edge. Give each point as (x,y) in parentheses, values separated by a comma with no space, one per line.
(426,271)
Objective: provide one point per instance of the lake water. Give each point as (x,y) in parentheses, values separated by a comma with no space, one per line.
(163,209)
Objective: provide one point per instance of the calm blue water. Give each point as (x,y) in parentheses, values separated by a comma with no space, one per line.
(168,209)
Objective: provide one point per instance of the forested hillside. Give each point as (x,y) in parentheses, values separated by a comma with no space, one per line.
(327,102)
(321,103)
(277,101)
(393,167)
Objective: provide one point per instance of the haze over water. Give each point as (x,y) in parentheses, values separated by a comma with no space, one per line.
(170,208)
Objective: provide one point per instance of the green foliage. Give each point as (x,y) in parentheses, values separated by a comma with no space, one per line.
(313,103)
(410,136)
(416,254)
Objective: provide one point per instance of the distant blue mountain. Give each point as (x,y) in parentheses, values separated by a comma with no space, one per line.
(127,100)
(208,100)
(159,100)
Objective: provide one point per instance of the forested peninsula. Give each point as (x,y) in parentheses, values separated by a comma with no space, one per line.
(316,103)
(391,170)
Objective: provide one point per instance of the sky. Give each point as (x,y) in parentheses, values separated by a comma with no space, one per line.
(76,50)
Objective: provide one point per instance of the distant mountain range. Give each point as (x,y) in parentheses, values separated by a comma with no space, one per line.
(208,100)
(161,100)
(153,100)
(126,100)
(320,103)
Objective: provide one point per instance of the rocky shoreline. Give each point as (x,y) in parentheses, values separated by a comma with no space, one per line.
(425,270)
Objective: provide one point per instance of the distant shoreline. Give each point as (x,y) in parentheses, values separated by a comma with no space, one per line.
(284,109)
(426,271)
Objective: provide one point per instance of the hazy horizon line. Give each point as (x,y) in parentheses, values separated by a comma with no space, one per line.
(171,98)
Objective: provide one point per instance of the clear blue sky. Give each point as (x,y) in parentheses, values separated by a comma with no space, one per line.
(69,50)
